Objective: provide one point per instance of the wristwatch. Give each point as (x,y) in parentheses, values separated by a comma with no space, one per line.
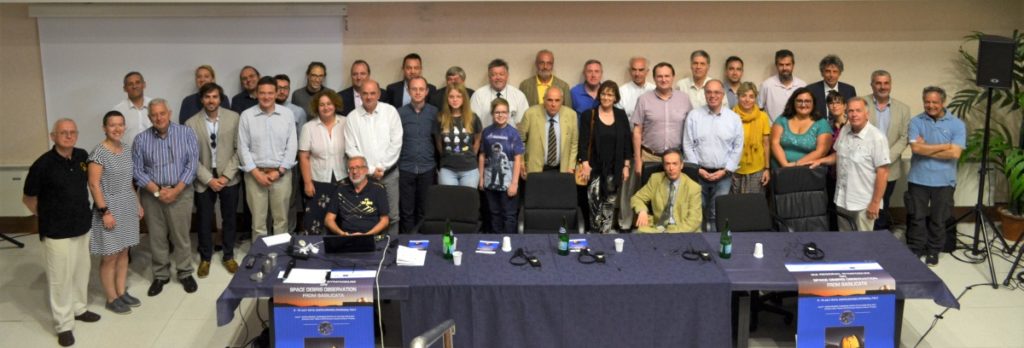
(102,210)
(156,194)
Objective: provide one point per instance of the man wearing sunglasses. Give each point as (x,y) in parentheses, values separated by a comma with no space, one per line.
(217,175)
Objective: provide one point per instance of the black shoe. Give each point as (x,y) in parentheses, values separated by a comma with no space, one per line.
(88,317)
(156,287)
(932,259)
(66,339)
(189,284)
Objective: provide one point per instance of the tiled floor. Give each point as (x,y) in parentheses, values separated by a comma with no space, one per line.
(987,318)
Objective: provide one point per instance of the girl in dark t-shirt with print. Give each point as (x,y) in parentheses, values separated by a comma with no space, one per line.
(501,160)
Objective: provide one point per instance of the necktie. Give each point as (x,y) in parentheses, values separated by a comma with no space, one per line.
(666,216)
(498,94)
(552,143)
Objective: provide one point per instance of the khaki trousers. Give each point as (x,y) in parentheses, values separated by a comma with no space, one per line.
(169,222)
(276,198)
(67,273)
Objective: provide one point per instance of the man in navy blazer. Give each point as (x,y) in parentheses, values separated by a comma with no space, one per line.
(396,93)
(350,96)
(831,68)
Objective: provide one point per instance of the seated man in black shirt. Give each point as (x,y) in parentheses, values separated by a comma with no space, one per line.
(358,206)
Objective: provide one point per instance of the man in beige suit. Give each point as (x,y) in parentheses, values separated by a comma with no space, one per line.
(535,87)
(217,175)
(547,124)
(892,117)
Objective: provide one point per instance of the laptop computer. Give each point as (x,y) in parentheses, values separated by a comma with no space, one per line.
(349,244)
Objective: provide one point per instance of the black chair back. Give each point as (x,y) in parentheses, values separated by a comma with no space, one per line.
(745,212)
(548,198)
(459,205)
(799,198)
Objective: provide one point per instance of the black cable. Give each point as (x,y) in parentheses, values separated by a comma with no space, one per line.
(258,315)
(939,316)
(245,324)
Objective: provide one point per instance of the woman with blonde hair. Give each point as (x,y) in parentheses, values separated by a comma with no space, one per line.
(457,138)
(752,175)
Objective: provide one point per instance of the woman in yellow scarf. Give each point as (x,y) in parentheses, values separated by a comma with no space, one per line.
(752,175)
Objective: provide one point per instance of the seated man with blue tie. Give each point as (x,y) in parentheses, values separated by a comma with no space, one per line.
(675,198)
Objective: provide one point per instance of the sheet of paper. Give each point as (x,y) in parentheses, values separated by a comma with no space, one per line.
(349,274)
(307,276)
(410,256)
(277,239)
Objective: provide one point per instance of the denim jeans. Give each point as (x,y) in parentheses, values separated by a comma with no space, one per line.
(468,178)
(710,190)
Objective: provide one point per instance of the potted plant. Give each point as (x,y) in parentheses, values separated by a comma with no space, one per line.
(1004,154)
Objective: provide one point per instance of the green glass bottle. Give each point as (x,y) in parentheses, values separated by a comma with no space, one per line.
(447,240)
(725,251)
(563,239)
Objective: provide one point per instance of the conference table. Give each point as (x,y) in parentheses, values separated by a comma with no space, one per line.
(646,296)
(746,273)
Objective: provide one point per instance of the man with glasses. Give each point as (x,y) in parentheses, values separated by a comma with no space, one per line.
(56,193)
(358,207)
(713,140)
(217,175)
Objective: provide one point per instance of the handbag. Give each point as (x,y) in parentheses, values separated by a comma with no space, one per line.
(581,180)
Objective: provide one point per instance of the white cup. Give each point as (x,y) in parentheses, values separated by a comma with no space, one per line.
(506,244)
(758,250)
(618,244)
(457,257)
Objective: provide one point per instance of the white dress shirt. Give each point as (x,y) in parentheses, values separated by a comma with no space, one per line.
(482,98)
(376,135)
(136,119)
(326,149)
(629,92)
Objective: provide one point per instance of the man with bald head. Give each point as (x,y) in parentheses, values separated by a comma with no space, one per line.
(534,87)
(56,193)
(861,158)
(135,108)
(584,95)
(374,131)
(350,99)
(713,140)
(166,158)
(631,91)
(550,134)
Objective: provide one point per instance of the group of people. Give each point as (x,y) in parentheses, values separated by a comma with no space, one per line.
(359,161)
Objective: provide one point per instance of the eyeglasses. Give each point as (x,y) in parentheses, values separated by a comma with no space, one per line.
(803,101)
(355,168)
(67,133)
(213,141)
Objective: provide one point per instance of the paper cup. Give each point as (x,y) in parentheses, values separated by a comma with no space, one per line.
(618,244)
(758,250)
(457,257)
(506,244)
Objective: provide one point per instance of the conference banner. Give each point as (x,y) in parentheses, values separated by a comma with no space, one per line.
(335,314)
(844,305)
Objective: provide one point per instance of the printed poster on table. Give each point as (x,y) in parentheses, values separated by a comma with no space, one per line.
(844,305)
(336,314)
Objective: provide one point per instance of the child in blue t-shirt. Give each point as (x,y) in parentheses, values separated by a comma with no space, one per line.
(501,160)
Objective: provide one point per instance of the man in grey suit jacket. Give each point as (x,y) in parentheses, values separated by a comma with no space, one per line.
(545,77)
(217,175)
(831,68)
(892,117)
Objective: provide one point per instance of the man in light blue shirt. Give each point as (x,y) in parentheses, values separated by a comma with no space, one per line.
(936,138)
(713,140)
(267,144)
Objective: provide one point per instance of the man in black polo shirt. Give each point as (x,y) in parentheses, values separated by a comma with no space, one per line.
(358,206)
(56,192)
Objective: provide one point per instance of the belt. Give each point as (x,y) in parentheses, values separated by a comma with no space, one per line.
(267,170)
(551,168)
(648,150)
(710,170)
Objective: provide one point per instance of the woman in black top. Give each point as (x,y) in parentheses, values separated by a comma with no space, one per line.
(605,150)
